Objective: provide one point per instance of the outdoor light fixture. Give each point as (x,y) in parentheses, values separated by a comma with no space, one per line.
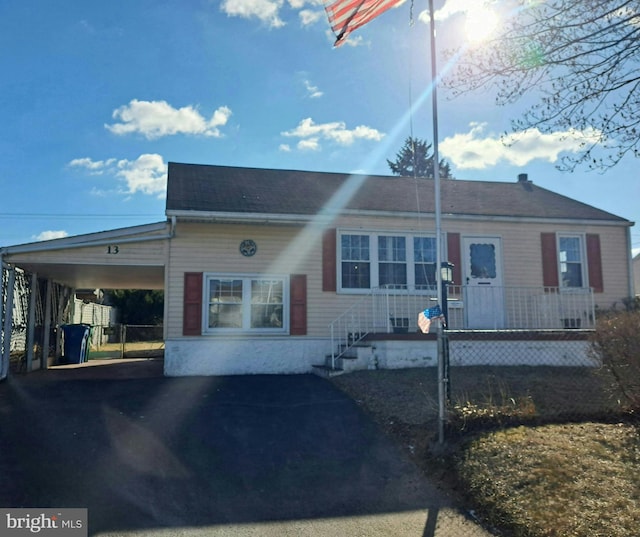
(446,272)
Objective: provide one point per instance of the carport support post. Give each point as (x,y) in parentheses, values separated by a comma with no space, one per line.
(62,299)
(44,361)
(8,322)
(31,323)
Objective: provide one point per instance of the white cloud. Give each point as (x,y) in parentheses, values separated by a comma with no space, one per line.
(299,4)
(95,167)
(154,119)
(266,11)
(312,90)
(269,11)
(453,7)
(147,174)
(285,147)
(337,132)
(477,150)
(309,16)
(310,144)
(50,235)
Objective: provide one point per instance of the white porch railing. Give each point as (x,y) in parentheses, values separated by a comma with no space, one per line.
(499,308)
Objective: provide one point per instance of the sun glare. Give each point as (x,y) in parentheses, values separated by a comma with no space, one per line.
(480,23)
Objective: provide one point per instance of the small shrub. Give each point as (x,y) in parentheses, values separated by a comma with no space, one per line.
(616,341)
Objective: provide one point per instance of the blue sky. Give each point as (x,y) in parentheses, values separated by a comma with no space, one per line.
(97,98)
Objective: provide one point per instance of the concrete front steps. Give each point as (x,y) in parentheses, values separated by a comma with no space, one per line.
(358,357)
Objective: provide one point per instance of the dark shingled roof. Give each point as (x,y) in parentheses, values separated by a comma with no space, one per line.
(223,189)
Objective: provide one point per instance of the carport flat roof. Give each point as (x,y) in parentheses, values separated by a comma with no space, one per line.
(81,274)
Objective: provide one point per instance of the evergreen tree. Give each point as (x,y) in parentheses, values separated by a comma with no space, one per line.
(415,159)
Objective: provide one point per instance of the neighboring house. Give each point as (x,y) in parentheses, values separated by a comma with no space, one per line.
(259,266)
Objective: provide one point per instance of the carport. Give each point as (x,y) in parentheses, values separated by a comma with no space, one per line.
(125,258)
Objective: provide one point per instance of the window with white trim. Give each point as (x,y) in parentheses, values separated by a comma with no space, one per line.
(424,257)
(392,261)
(355,265)
(248,303)
(372,260)
(571,259)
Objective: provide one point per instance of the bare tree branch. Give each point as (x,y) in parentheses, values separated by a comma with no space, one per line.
(580,59)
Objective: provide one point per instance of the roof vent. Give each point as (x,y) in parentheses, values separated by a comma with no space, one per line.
(523,178)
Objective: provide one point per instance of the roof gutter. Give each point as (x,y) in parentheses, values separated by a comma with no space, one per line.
(277,218)
(258,218)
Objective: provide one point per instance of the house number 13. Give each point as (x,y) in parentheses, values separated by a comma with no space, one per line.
(113,249)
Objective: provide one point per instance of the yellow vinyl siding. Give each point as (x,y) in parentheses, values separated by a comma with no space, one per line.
(281,249)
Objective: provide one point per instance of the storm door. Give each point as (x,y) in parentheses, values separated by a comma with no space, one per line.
(483,285)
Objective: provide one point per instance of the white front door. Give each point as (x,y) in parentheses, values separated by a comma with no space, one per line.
(482,280)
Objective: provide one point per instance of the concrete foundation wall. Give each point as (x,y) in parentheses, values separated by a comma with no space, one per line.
(405,354)
(242,356)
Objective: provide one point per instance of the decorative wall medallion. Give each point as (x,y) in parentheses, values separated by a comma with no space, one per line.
(248,248)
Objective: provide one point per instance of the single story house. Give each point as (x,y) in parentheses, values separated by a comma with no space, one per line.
(267,271)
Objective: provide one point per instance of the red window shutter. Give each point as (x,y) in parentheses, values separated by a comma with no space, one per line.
(192,315)
(549,260)
(455,256)
(329,260)
(298,304)
(594,263)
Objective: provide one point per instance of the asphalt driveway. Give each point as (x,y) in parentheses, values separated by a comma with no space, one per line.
(246,455)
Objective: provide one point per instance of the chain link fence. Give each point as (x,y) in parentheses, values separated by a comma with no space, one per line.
(527,377)
(128,341)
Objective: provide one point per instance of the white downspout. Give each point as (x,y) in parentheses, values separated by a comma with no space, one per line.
(44,363)
(31,323)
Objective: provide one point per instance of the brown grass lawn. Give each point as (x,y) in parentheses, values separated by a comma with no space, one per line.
(565,480)
(572,470)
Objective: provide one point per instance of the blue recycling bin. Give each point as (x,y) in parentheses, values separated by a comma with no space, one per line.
(76,343)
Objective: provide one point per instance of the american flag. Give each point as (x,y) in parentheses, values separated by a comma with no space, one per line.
(345,16)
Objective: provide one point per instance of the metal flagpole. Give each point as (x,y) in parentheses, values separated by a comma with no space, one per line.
(438,218)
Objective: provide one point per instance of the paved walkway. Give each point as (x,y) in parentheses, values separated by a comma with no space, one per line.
(248,455)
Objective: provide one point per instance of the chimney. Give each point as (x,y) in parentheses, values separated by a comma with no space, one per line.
(523,178)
